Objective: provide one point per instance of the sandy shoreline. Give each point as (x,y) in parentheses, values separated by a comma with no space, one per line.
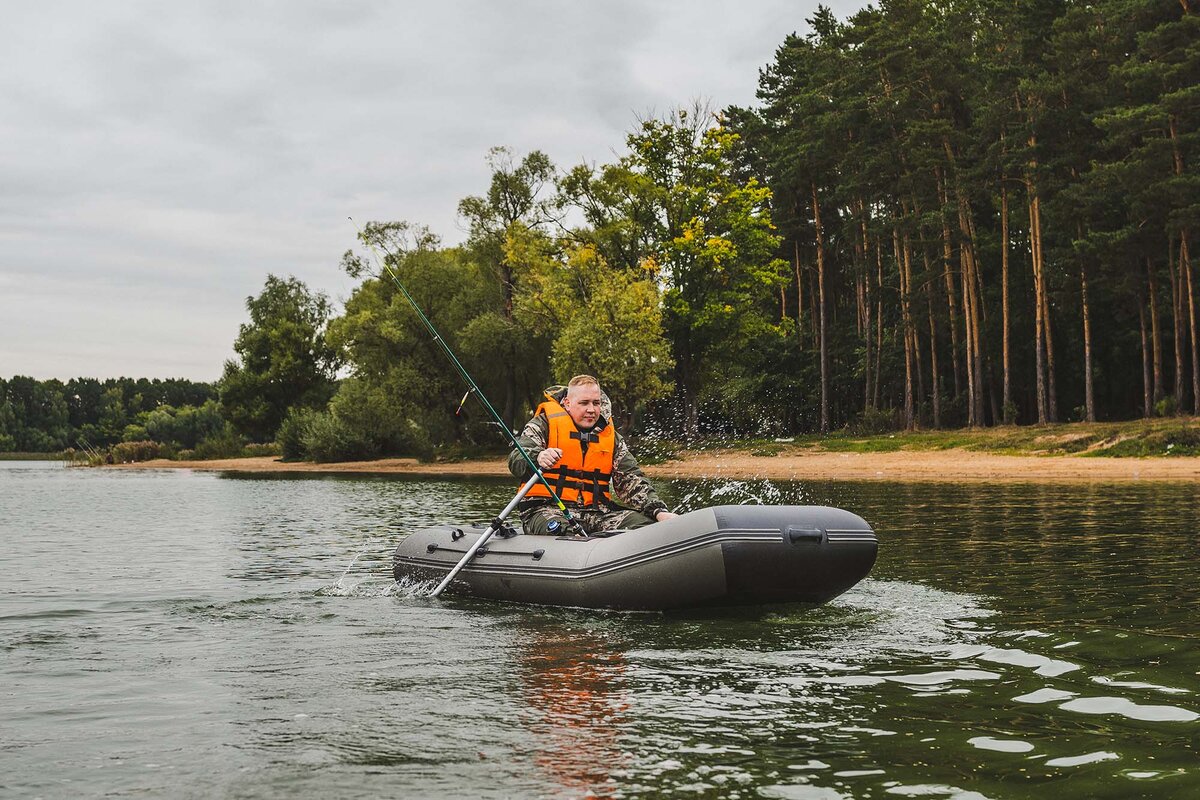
(923,465)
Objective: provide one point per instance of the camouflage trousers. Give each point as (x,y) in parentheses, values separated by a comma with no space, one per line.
(549,521)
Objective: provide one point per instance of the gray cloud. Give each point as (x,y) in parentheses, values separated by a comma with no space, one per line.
(157,161)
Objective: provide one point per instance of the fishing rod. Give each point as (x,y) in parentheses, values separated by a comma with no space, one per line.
(472,389)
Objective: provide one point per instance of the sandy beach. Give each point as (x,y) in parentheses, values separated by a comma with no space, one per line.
(920,465)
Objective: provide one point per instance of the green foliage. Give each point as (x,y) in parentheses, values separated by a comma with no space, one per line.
(518,203)
(129,452)
(712,242)
(369,418)
(33,415)
(602,321)
(183,427)
(325,438)
(226,443)
(403,392)
(284,360)
(872,421)
(290,436)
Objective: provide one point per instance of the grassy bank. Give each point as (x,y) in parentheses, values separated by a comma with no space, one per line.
(1176,436)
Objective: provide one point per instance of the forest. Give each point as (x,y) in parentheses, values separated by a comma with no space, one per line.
(936,215)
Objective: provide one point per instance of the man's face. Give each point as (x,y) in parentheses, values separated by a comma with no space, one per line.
(583,404)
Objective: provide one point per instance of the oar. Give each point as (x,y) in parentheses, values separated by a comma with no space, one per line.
(495,526)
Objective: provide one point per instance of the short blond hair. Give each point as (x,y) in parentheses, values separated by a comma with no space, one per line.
(582,380)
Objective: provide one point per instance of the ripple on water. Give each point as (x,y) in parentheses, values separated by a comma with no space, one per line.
(935,790)
(1086,758)
(1046,695)
(1000,745)
(1138,685)
(1042,665)
(1122,707)
(801,792)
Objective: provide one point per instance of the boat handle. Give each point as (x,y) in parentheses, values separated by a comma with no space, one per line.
(796,535)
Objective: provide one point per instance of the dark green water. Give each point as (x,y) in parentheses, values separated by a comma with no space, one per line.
(188,635)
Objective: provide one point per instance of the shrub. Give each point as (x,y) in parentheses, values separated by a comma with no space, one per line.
(226,444)
(290,437)
(874,421)
(326,438)
(129,452)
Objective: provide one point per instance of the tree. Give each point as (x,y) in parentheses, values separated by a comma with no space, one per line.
(711,243)
(517,201)
(37,417)
(284,360)
(406,391)
(603,321)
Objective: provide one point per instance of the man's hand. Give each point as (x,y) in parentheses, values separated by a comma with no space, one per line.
(549,457)
(663,516)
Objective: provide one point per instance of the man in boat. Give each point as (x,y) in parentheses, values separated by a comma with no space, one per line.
(573,441)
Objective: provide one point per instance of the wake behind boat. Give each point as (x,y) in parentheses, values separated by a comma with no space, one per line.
(719,556)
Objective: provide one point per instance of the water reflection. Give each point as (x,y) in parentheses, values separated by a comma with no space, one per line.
(573,680)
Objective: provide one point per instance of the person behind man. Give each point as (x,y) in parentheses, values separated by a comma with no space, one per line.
(573,441)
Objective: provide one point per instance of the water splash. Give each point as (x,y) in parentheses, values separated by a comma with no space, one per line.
(368,586)
(752,491)
(408,589)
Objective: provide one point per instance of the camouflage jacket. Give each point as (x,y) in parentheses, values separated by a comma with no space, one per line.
(630,486)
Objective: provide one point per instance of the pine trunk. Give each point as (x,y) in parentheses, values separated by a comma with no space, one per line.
(1089,395)
(868,336)
(823,337)
(972,302)
(918,366)
(951,299)
(875,401)
(1048,338)
(1185,261)
(972,377)
(814,311)
(799,291)
(904,322)
(1147,380)
(935,390)
(1007,402)
(1177,325)
(1038,323)
(1155,334)
(1191,298)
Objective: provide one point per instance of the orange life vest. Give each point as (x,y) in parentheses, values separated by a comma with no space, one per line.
(581,477)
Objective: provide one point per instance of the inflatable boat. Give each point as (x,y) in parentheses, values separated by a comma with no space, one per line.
(719,556)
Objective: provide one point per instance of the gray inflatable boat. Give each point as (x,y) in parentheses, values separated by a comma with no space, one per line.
(719,556)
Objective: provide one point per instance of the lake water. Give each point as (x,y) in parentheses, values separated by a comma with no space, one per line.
(179,634)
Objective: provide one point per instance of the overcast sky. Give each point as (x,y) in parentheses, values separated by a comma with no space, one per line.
(158,160)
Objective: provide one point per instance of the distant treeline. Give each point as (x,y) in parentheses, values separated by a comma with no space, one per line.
(49,416)
(938,214)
